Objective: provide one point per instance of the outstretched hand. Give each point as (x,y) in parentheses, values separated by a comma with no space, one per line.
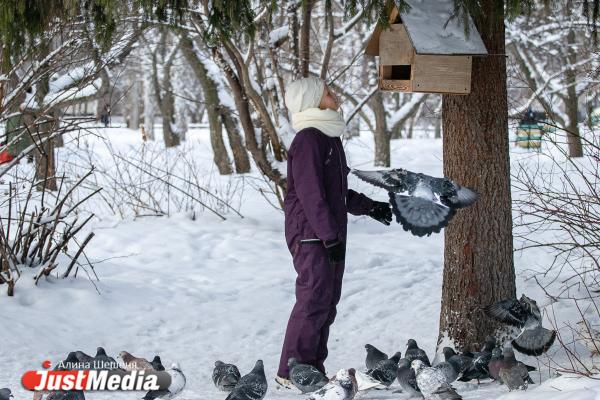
(381,212)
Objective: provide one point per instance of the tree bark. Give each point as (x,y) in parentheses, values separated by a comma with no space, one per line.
(478,255)
(307,8)
(240,155)
(212,104)
(381,135)
(571,102)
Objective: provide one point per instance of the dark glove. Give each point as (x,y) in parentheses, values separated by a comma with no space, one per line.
(336,251)
(381,212)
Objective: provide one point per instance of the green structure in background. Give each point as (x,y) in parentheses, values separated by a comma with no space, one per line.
(14,128)
(532,128)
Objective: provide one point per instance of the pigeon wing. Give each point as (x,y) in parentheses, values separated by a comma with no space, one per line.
(389,180)
(420,216)
(534,342)
(510,312)
(458,196)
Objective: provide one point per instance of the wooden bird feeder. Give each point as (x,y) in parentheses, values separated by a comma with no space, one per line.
(425,50)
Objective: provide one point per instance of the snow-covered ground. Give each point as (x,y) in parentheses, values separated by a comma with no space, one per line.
(198,290)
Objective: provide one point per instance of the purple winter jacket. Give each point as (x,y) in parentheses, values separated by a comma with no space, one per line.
(318,199)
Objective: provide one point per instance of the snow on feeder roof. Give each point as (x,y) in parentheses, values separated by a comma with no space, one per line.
(425,49)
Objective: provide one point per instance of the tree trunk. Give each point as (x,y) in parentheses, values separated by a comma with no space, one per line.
(240,155)
(307,7)
(380,135)
(478,256)
(212,104)
(571,102)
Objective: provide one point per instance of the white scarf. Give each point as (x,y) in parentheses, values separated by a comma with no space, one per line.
(330,122)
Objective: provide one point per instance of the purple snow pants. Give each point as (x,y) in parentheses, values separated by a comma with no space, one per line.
(318,291)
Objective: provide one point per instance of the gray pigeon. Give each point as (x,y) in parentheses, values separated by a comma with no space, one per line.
(342,387)
(374,355)
(497,362)
(422,204)
(176,386)
(252,386)
(66,395)
(225,376)
(103,361)
(461,362)
(157,363)
(407,379)
(449,370)
(385,371)
(432,383)
(5,394)
(413,352)
(306,377)
(514,374)
(523,325)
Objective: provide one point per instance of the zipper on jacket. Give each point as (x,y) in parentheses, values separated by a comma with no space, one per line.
(310,240)
(341,172)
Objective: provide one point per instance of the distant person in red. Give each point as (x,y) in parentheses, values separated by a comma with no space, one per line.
(316,205)
(5,156)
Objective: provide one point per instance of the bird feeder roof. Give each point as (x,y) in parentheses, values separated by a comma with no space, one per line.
(433,29)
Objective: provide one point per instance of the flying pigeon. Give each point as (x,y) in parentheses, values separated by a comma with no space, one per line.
(413,352)
(5,394)
(342,387)
(66,395)
(461,362)
(422,204)
(252,386)
(103,361)
(385,371)
(134,363)
(157,364)
(374,355)
(306,377)
(407,378)
(479,367)
(225,376)
(523,325)
(590,336)
(432,383)
(497,362)
(513,374)
(177,385)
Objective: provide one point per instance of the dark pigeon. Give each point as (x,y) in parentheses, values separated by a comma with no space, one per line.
(157,363)
(66,395)
(479,367)
(252,386)
(413,352)
(514,374)
(69,363)
(422,204)
(374,356)
(407,379)
(449,370)
(102,361)
(306,377)
(225,376)
(529,337)
(84,358)
(385,371)
(461,362)
(5,394)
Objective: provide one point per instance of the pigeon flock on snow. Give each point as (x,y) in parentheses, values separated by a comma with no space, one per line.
(423,204)
(415,374)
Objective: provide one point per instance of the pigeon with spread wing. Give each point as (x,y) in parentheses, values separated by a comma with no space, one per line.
(423,204)
(522,325)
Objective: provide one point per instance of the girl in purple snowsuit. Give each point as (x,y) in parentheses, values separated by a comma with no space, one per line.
(316,205)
